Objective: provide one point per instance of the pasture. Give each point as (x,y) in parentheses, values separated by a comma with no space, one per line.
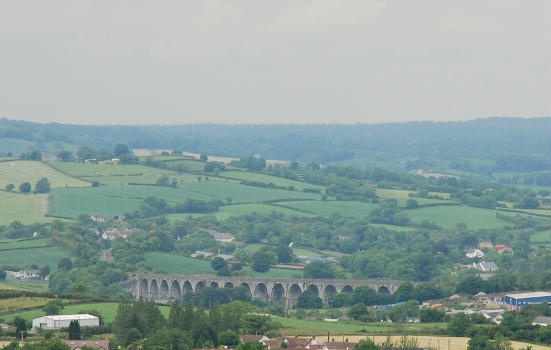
(107,169)
(267,179)
(183,164)
(246,209)
(328,208)
(17,172)
(14,304)
(12,244)
(26,208)
(15,146)
(107,310)
(173,263)
(24,286)
(245,194)
(450,216)
(40,256)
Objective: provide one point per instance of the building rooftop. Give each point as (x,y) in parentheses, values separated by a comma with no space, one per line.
(529,295)
(71,317)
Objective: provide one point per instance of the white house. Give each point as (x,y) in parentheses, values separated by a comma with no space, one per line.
(62,321)
(474,253)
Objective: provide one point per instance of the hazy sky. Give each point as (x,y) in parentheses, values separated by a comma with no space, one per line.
(261,61)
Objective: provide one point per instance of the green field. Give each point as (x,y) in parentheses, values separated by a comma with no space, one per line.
(40,256)
(450,216)
(17,172)
(107,169)
(149,179)
(27,208)
(267,179)
(15,146)
(245,194)
(541,237)
(309,327)
(182,163)
(228,211)
(24,286)
(173,263)
(107,310)
(328,208)
(26,243)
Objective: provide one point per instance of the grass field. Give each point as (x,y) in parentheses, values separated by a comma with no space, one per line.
(228,211)
(245,194)
(27,243)
(14,304)
(24,286)
(106,169)
(17,172)
(107,310)
(394,227)
(182,163)
(15,146)
(267,179)
(541,237)
(40,256)
(173,263)
(27,208)
(327,208)
(450,216)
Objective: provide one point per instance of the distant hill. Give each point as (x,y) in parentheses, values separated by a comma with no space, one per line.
(499,140)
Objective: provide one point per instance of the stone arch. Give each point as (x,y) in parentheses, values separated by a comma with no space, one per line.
(347,289)
(247,288)
(278,294)
(154,291)
(328,292)
(163,292)
(314,289)
(383,290)
(175,291)
(261,292)
(293,293)
(213,284)
(199,285)
(187,287)
(228,285)
(144,289)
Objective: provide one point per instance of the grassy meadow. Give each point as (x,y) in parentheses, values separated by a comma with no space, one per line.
(26,208)
(17,172)
(107,310)
(27,252)
(328,208)
(268,179)
(24,286)
(14,304)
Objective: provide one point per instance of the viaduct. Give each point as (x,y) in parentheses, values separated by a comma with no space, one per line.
(166,288)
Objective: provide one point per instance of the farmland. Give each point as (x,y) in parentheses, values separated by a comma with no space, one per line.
(26,208)
(233,210)
(17,172)
(450,216)
(268,179)
(107,310)
(328,208)
(14,304)
(24,286)
(40,256)
(173,263)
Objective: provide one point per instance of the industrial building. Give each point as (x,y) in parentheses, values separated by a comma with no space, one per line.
(62,321)
(517,301)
